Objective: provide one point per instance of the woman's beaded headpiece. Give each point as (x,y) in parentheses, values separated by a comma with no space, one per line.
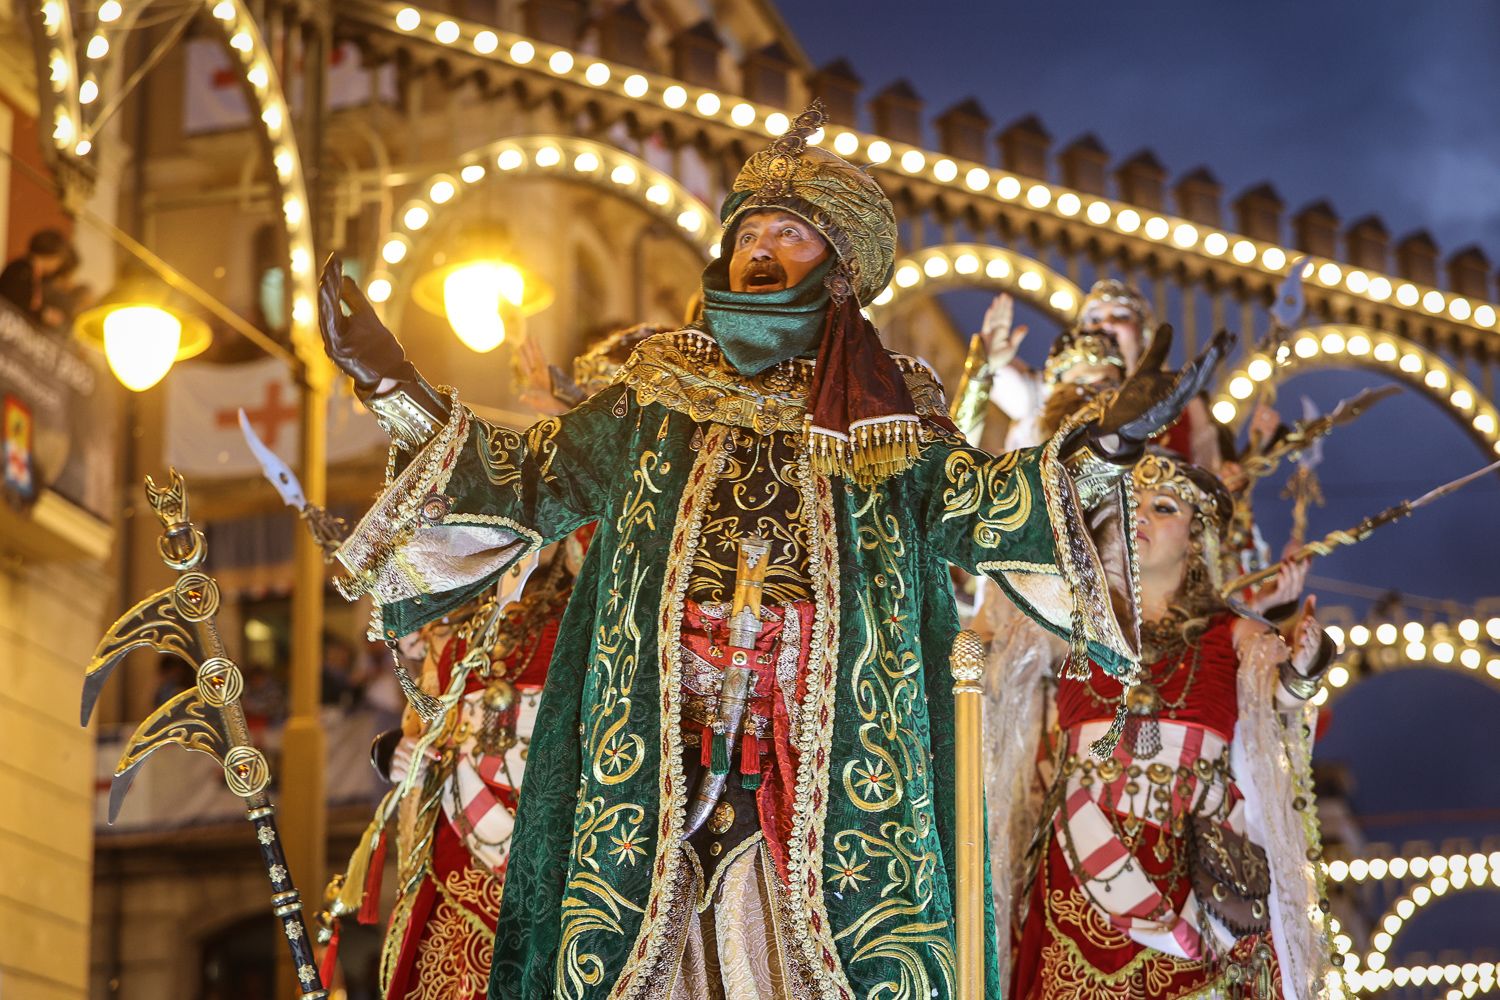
(1112,290)
(1161,471)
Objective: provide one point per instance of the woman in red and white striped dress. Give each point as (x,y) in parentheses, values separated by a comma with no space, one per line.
(1179,853)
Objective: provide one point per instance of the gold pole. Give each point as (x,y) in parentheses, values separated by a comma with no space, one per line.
(968,716)
(304,807)
(303,812)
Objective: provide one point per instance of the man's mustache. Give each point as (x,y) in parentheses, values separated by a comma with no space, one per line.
(765,272)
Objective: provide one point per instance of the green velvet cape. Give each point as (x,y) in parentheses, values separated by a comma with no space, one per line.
(594,873)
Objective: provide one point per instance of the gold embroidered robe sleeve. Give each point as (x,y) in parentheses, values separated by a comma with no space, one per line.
(476,499)
(1060,552)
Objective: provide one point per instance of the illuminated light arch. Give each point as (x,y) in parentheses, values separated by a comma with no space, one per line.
(56,54)
(1365,973)
(556,157)
(1483,666)
(1343,346)
(267,101)
(756,121)
(938,269)
(1480,974)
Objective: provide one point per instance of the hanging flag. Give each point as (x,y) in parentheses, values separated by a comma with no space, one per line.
(203,428)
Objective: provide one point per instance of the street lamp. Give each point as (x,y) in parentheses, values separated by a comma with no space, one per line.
(483,296)
(141,336)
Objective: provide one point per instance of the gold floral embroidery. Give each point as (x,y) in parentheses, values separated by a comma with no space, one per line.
(685,371)
(990,491)
(758,494)
(541,441)
(627,844)
(905,898)
(1067,974)
(498,448)
(849,873)
(592,903)
(887,687)
(453,955)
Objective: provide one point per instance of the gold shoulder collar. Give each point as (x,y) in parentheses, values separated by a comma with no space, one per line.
(685,371)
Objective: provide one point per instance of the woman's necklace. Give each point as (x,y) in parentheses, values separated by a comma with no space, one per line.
(1144,704)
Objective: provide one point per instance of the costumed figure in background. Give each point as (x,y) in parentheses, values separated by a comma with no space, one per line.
(457,771)
(993,372)
(740,782)
(453,819)
(1024,657)
(1185,863)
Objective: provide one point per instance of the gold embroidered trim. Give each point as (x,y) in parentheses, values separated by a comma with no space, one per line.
(394,518)
(809,910)
(646,953)
(1093,618)
(685,371)
(750,843)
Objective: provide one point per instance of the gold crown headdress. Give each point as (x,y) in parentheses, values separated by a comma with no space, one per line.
(1081,347)
(1159,471)
(1112,290)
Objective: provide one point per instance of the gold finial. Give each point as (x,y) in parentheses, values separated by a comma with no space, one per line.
(181,546)
(787,148)
(170,501)
(967,661)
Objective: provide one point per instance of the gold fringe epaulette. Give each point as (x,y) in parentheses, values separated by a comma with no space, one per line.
(871,453)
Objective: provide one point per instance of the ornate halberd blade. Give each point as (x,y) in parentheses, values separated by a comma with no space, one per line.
(156,622)
(185,720)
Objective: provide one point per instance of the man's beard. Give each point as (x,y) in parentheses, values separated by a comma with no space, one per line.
(764,274)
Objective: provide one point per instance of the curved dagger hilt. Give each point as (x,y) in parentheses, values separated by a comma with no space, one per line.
(206,718)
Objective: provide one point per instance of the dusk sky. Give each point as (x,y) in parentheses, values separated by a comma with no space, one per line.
(1377,106)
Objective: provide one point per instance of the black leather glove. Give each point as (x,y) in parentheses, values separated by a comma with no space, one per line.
(1151,399)
(358,343)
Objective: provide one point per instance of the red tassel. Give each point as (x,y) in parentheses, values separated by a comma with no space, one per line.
(369,907)
(330,962)
(706,758)
(749,754)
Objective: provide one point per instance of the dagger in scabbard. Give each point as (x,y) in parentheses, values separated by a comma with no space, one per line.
(1352,536)
(739,678)
(206,718)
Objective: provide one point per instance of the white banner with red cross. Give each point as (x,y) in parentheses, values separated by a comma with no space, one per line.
(203,431)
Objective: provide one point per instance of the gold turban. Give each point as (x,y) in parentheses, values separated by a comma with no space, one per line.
(837,198)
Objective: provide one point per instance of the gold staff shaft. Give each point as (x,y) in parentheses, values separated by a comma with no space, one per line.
(968,716)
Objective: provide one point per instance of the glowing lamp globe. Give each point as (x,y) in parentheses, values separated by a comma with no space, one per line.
(476,298)
(142,340)
(140,343)
(483,298)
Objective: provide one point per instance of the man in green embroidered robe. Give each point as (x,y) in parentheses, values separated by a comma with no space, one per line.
(825,869)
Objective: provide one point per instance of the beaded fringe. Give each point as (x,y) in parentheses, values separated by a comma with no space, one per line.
(871,453)
(1104,747)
